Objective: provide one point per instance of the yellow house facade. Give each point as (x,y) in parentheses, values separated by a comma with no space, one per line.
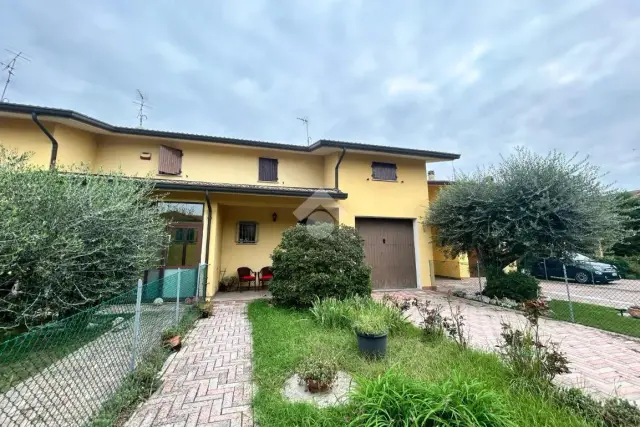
(231,199)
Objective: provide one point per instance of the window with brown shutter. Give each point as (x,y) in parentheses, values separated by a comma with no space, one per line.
(170,161)
(267,169)
(384,171)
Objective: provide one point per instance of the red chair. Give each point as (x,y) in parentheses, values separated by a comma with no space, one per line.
(245,274)
(265,275)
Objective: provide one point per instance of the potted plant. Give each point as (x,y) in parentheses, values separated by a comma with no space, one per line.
(171,338)
(205,308)
(371,330)
(317,373)
(227,283)
(634,311)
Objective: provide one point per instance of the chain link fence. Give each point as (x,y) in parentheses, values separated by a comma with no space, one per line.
(60,374)
(597,293)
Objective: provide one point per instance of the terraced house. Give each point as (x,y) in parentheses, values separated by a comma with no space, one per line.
(230,199)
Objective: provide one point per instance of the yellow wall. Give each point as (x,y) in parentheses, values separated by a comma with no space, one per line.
(406,198)
(23,136)
(209,162)
(75,147)
(330,162)
(258,255)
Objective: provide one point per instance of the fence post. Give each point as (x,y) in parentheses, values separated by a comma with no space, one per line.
(546,275)
(136,327)
(566,282)
(199,281)
(178,297)
(478,273)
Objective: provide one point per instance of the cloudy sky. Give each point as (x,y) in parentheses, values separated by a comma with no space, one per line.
(472,77)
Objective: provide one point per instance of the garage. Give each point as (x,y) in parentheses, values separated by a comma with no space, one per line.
(389,250)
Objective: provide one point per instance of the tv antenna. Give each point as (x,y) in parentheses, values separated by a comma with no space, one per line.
(9,67)
(305,120)
(141,102)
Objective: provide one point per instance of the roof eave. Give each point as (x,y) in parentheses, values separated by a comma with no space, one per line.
(247,190)
(73,115)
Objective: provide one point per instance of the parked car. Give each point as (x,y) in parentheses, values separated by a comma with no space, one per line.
(580,268)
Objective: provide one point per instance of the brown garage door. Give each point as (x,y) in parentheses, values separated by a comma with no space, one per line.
(388,247)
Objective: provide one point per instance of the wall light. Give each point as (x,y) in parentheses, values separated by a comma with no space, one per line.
(274,216)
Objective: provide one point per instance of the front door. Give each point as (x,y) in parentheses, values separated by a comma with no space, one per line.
(183,252)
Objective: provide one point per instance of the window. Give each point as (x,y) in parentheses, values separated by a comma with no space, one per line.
(170,161)
(247,232)
(186,235)
(267,169)
(384,171)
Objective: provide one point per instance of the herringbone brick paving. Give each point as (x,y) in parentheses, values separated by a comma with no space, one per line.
(602,363)
(208,382)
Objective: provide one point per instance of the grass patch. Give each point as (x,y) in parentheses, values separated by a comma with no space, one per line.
(25,355)
(140,384)
(597,316)
(283,337)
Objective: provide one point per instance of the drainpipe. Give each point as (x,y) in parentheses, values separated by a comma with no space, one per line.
(206,250)
(54,143)
(344,150)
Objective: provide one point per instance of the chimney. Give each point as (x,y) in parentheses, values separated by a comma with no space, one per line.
(431,175)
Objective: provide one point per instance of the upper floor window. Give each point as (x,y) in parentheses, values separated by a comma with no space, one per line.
(384,171)
(247,232)
(267,169)
(170,161)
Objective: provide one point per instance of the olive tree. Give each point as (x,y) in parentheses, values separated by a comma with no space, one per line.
(528,205)
(68,241)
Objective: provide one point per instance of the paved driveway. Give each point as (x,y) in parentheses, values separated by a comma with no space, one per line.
(600,362)
(618,294)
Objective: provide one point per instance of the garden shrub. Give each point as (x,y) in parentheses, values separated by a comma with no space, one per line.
(531,361)
(617,412)
(514,285)
(318,261)
(342,314)
(613,412)
(395,400)
(71,240)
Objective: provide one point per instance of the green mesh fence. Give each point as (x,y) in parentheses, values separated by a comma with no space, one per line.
(61,374)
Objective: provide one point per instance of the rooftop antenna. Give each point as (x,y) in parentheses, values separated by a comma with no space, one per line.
(9,67)
(305,120)
(141,101)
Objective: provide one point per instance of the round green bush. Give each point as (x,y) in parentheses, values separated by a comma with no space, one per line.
(318,261)
(513,285)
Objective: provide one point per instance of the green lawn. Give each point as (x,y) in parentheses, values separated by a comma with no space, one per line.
(597,316)
(282,337)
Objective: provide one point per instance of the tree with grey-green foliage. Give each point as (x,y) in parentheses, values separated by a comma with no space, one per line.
(527,206)
(71,240)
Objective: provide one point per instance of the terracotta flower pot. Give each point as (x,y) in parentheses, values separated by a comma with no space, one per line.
(317,386)
(634,312)
(174,343)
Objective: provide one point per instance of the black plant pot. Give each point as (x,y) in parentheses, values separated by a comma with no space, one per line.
(372,345)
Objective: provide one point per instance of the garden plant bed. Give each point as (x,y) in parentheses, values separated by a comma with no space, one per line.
(282,337)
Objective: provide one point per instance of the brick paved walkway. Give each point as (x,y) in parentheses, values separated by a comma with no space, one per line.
(208,382)
(600,362)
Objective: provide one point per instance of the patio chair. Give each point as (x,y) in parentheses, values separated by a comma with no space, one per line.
(265,275)
(245,274)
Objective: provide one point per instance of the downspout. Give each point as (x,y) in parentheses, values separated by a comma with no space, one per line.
(54,143)
(206,250)
(344,150)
